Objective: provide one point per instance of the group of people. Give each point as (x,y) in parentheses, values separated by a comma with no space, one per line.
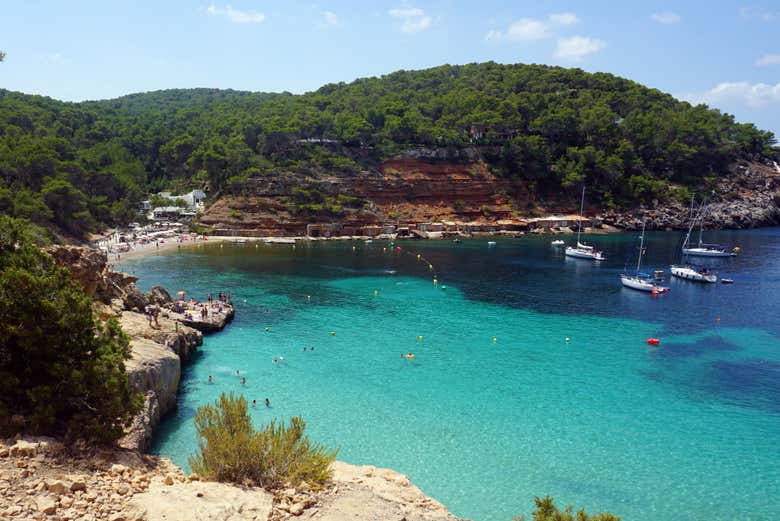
(243,382)
(193,308)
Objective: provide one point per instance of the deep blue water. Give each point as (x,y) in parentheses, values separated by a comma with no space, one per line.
(685,431)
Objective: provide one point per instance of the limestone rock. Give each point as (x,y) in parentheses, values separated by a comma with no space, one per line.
(46,504)
(199,501)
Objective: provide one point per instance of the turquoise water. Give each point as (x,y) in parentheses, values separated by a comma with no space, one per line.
(685,431)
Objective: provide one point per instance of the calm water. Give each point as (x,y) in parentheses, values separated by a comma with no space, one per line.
(685,431)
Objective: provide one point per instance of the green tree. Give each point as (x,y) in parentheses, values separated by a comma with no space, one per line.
(61,370)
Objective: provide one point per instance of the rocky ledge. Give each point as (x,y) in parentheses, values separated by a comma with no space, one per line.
(40,479)
(157,353)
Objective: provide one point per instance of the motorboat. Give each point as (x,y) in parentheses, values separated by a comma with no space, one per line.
(694,273)
(558,242)
(583,251)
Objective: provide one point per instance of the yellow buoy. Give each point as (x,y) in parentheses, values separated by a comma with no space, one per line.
(435,281)
(495,340)
(308,297)
(376,292)
(353,248)
(332,333)
(267,329)
(384,249)
(568,340)
(418,256)
(420,338)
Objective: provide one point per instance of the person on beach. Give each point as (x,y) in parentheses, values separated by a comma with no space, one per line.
(148,313)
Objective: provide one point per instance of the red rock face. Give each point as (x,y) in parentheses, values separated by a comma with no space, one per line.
(405,191)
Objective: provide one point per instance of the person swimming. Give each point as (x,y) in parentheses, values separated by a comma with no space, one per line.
(211,380)
(281,359)
(267,402)
(304,349)
(243,381)
(254,403)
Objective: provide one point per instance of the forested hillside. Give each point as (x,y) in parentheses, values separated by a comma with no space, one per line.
(83,165)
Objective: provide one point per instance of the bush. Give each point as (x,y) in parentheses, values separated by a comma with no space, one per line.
(61,371)
(232,450)
(547,511)
(237,215)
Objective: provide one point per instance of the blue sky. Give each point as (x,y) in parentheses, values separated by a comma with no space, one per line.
(724,53)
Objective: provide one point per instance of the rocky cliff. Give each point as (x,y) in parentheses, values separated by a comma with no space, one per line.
(154,368)
(430,186)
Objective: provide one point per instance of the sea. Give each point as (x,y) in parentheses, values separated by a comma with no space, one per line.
(531,374)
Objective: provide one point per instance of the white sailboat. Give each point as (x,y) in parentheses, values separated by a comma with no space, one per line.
(689,271)
(702,249)
(642,281)
(583,251)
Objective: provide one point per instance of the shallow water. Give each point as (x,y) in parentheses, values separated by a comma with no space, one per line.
(684,431)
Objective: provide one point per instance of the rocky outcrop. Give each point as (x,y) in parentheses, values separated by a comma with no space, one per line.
(154,367)
(748,198)
(42,480)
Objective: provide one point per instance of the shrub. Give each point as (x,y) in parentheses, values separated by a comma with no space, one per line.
(547,511)
(232,450)
(236,214)
(61,371)
(459,205)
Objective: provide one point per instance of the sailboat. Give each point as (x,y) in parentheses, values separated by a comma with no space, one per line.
(642,281)
(702,249)
(689,271)
(583,251)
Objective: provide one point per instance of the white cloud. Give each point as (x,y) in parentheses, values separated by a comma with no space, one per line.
(414,19)
(234,15)
(530,29)
(769,59)
(330,18)
(742,92)
(576,48)
(564,18)
(667,18)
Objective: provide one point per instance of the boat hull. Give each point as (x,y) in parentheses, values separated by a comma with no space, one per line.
(578,253)
(703,252)
(684,272)
(641,285)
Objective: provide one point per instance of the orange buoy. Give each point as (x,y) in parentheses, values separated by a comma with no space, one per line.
(653,341)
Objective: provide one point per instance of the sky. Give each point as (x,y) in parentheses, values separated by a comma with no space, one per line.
(723,53)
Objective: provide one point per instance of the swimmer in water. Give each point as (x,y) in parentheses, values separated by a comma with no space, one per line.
(273,361)
(281,359)
(312,348)
(304,349)
(211,380)
(243,381)
(254,403)
(267,402)
(236,371)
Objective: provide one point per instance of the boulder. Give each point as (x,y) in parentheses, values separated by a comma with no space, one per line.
(160,296)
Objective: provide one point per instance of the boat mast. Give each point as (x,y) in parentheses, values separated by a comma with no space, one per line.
(641,248)
(701,223)
(579,223)
(690,228)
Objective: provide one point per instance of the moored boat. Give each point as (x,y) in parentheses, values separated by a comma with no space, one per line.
(694,273)
(642,281)
(583,251)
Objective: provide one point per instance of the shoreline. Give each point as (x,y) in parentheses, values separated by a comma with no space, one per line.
(148,249)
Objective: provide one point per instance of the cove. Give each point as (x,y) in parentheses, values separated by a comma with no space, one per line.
(684,431)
